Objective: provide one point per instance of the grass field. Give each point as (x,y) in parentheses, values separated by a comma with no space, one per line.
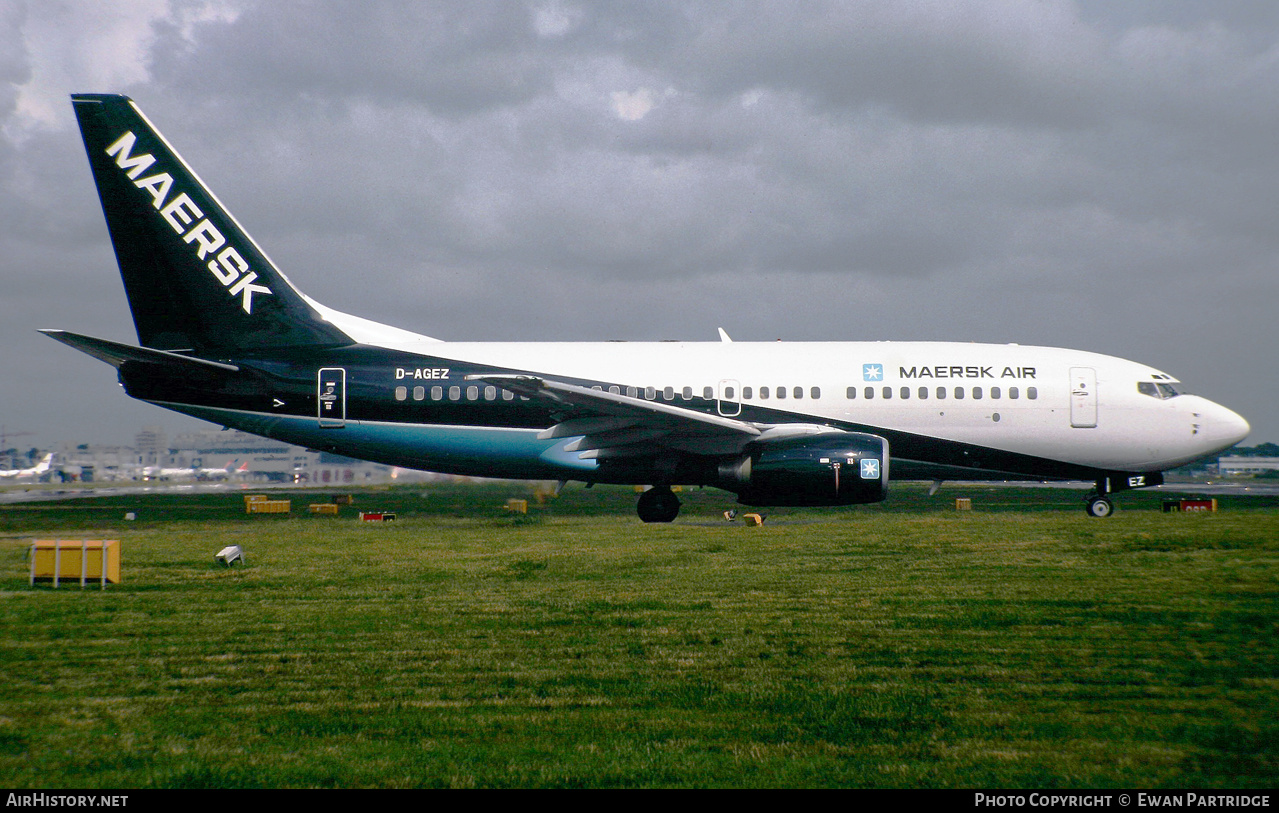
(906,645)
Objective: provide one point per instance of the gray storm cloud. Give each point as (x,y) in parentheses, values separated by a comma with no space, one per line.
(1057,173)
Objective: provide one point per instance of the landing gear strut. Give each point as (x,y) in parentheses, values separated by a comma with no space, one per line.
(658,504)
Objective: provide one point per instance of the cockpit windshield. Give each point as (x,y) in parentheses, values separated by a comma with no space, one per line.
(1157,390)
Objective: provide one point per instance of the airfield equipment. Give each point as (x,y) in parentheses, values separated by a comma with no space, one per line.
(230,555)
(57,559)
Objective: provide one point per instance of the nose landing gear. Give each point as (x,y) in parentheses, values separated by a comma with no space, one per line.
(1097,503)
(1098,506)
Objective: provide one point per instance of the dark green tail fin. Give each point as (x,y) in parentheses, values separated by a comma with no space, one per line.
(195,280)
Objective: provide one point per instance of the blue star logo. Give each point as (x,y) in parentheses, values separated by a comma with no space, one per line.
(873,372)
(870,468)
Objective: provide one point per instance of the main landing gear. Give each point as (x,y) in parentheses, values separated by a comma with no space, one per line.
(658,504)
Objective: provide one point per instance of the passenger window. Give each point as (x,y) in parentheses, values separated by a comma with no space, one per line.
(455,393)
(401,393)
(490,393)
(923,393)
(1032,393)
(615,390)
(888,392)
(852,393)
(799,392)
(941,392)
(959,393)
(631,392)
(1013,393)
(747,393)
(708,393)
(507,395)
(781,393)
(994,392)
(472,393)
(905,393)
(976,393)
(419,393)
(668,393)
(815,393)
(869,392)
(437,393)
(687,393)
(730,393)
(763,393)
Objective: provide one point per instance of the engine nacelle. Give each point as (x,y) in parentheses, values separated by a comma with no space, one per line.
(835,469)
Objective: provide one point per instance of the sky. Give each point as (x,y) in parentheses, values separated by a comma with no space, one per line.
(1095,175)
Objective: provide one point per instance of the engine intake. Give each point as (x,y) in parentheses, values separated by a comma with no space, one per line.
(838,469)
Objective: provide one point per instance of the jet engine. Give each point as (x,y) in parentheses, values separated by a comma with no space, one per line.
(844,468)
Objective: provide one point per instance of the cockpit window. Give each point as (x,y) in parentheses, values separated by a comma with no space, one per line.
(1160,391)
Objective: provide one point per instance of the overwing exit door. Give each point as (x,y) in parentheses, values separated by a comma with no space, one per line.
(729,392)
(1083,397)
(331,397)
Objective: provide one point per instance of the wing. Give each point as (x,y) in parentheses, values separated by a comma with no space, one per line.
(611,425)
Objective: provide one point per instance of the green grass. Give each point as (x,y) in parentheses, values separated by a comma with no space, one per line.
(905,645)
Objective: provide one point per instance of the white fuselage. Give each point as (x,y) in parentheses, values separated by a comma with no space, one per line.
(1015,398)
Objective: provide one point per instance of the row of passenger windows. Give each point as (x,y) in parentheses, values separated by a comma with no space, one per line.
(708,393)
(490,393)
(780,393)
(958,393)
(651,393)
(455,394)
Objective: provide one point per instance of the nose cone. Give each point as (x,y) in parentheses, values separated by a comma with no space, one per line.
(1226,427)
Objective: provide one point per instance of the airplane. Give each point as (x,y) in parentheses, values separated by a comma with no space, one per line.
(193,472)
(225,337)
(37,470)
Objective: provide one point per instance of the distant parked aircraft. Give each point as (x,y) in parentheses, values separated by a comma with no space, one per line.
(22,474)
(193,472)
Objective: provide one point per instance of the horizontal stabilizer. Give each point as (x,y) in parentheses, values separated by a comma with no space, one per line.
(115,354)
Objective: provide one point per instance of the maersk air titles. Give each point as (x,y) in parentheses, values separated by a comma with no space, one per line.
(225,337)
(955,371)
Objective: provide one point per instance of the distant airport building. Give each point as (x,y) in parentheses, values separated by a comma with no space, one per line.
(1244,466)
(151,444)
(245,456)
(255,458)
(93,462)
(216,455)
(211,455)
